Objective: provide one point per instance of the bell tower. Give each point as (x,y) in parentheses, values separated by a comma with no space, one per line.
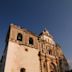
(22,51)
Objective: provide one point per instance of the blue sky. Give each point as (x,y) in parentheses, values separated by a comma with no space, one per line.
(35,15)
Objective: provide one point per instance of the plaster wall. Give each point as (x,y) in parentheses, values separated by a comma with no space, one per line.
(21,56)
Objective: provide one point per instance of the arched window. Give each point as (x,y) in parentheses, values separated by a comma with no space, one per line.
(50,52)
(31,41)
(19,37)
(44,64)
(22,70)
(60,62)
(53,67)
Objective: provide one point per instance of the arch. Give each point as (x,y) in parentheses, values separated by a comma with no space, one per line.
(50,51)
(53,67)
(31,41)
(22,70)
(19,37)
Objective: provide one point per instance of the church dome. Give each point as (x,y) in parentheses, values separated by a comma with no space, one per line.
(46,36)
(46,33)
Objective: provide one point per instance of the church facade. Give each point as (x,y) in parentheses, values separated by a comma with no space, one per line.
(27,52)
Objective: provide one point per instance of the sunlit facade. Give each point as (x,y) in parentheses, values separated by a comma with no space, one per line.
(27,52)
